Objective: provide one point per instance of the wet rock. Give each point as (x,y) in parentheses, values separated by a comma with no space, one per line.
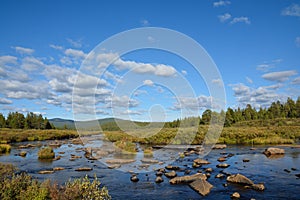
(187,179)
(23,153)
(240,179)
(225,184)
(46,172)
(195,165)
(144,166)
(161,170)
(61,152)
(221,159)
(134,178)
(58,168)
(77,141)
(26,146)
(170,167)
(246,160)
(235,195)
(159,179)
(119,161)
(201,186)
(209,170)
(223,165)
(149,161)
(273,151)
(56,158)
(286,170)
(219,146)
(200,161)
(220,176)
(80,169)
(159,173)
(187,171)
(171,174)
(294,169)
(207,175)
(298,175)
(259,186)
(114,166)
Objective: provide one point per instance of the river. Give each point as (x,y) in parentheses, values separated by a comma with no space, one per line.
(277,174)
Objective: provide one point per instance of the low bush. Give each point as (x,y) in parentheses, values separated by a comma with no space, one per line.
(46,153)
(5,148)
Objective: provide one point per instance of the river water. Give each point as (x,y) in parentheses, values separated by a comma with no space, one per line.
(277,174)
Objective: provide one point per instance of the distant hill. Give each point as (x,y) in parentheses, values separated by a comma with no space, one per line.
(70,124)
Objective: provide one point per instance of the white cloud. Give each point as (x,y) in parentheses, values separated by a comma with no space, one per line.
(240,89)
(266,66)
(249,80)
(240,20)
(4,60)
(218,82)
(224,17)
(5,101)
(184,72)
(145,22)
(189,103)
(148,82)
(121,101)
(279,76)
(221,3)
(57,47)
(292,10)
(297,41)
(75,53)
(32,64)
(75,43)
(296,81)
(23,50)
(131,112)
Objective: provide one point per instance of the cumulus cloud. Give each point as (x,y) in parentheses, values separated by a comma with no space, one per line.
(296,81)
(201,102)
(245,20)
(23,50)
(292,10)
(218,82)
(240,89)
(121,101)
(280,76)
(224,17)
(131,112)
(57,47)
(4,60)
(75,43)
(5,101)
(148,82)
(75,53)
(221,3)
(266,66)
(32,64)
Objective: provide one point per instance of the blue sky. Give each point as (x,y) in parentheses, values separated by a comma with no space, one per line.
(255,45)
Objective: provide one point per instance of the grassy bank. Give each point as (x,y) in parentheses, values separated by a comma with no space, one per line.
(23,186)
(229,135)
(21,135)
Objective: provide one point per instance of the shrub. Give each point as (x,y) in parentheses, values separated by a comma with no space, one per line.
(46,153)
(5,148)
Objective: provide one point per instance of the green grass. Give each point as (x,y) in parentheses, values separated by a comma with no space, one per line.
(46,153)
(126,146)
(20,135)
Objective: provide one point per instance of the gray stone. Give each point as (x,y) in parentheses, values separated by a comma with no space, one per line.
(201,186)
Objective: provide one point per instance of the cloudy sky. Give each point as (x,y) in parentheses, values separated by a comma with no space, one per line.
(255,45)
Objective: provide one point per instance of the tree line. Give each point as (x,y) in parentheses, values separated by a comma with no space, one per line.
(288,109)
(16,120)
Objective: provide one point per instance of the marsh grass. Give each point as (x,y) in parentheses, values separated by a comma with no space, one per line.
(46,153)
(5,148)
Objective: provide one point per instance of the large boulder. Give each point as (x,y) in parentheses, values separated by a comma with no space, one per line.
(273,151)
(240,179)
(201,186)
(187,179)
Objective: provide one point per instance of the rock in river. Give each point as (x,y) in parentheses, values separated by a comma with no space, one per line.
(84,169)
(201,186)
(134,178)
(46,172)
(171,174)
(159,179)
(149,161)
(235,195)
(240,179)
(273,151)
(219,146)
(119,161)
(187,179)
(223,165)
(200,161)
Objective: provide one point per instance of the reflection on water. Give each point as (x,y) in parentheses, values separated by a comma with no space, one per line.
(279,183)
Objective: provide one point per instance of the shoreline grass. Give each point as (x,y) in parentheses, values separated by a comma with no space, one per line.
(21,135)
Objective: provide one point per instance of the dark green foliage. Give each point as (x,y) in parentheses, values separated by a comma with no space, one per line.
(16,120)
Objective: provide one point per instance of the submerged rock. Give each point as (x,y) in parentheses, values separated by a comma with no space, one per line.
(187,179)
(46,172)
(273,151)
(259,186)
(149,161)
(201,186)
(119,161)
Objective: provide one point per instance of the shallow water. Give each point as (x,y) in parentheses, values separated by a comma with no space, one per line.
(279,184)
